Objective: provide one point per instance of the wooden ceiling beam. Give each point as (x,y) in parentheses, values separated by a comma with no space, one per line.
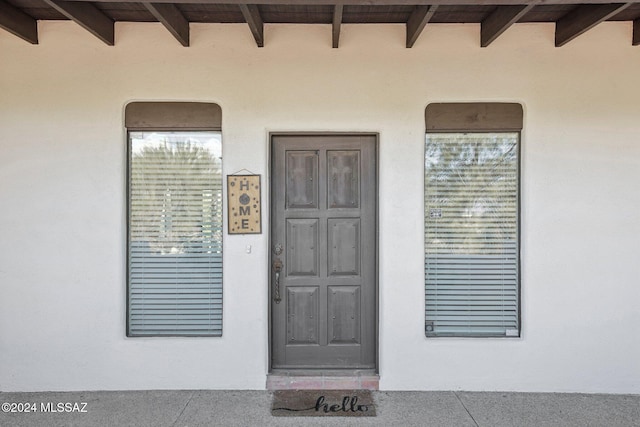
(417,21)
(373,2)
(171,17)
(337,21)
(636,32)
(499,20)
(583,18)
(88,17)
(254,20)
(18,23)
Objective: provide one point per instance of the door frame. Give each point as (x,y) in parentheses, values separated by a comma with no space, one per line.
(270,256)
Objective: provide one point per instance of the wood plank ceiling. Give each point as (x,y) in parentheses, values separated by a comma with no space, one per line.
(571,17)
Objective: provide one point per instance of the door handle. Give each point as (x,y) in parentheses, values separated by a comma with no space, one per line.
(277,268)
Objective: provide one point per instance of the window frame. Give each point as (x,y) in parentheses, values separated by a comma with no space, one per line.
(477,118)
(167,117)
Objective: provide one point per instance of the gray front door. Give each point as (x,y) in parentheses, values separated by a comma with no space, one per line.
(323,251)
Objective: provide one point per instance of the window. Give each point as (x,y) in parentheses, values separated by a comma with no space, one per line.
(174,221)
(472,220)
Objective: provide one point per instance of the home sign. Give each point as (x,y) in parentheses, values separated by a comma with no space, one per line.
(244,210)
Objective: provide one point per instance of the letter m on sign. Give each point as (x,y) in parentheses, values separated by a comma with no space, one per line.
(245,210)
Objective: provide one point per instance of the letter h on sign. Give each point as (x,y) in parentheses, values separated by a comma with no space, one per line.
(243,201)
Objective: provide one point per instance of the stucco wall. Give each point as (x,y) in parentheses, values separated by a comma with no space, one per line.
(62,197)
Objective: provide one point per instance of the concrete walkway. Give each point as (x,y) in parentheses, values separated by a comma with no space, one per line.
(252,408)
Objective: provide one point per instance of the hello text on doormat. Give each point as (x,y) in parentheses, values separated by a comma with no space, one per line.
(323,403)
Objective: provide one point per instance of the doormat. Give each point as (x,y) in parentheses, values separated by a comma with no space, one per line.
(323,403)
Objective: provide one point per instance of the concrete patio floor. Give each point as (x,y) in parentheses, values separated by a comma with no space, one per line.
(252,408)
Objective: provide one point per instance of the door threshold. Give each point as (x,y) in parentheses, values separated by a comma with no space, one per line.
(308,379)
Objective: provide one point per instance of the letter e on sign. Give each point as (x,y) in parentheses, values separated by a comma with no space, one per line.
(243,204)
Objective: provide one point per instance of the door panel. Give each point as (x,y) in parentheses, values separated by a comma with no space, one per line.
(344,314)
(343,168)
(302,315)
(302,247)
(344,246)
(323,234)
(302,179)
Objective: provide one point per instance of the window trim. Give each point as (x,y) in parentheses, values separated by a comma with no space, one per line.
(473,117)
(165,116)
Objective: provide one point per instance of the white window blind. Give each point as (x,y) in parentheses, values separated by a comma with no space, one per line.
(175,234)
(471,234)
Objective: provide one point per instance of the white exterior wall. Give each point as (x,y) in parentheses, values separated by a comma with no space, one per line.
(62,197)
